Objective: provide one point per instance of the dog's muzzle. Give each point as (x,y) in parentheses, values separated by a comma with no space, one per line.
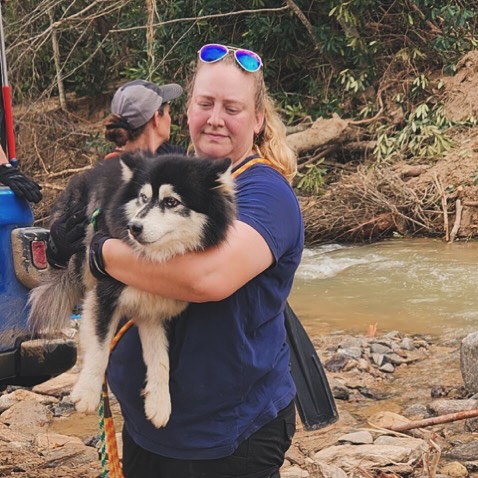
(135,228)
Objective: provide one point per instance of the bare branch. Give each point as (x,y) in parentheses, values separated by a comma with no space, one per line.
(203,17)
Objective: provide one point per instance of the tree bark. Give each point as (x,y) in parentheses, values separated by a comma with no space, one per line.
(56,57)
(322,132)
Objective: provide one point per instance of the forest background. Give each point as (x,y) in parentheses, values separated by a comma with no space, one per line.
(378,97)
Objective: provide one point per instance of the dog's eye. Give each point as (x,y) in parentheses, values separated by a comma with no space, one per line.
(143,198)
(170,202)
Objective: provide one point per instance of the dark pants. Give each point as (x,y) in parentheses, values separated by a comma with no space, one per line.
(260,456)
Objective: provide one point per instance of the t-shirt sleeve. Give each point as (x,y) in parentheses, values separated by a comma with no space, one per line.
(266,202)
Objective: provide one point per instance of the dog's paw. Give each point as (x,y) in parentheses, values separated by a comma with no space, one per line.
(157,408)
(86,399)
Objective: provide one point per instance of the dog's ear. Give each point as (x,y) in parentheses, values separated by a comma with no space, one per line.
(223,169)
(126,171)
(129,163)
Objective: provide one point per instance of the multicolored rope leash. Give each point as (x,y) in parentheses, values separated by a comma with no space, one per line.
(109,456)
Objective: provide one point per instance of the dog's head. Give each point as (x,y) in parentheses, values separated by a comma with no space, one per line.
(179,203)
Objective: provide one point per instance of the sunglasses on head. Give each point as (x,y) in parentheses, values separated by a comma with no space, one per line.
(247,59)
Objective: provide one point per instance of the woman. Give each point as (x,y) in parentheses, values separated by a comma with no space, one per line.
(140,116)
(231,388)
(140,119)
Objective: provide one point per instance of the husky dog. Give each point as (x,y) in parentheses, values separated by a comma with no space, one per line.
(161,206)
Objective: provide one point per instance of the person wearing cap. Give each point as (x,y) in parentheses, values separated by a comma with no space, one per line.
(140,119)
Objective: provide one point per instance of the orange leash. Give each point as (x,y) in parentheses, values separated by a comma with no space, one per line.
(110,448)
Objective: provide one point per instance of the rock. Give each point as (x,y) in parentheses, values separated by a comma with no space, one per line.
(350,365)
(378,359)
(415,444)
(417,411)
(464,452)
(28,416)
(352,342)
(330,471)
(9,435)
(379,349)
(57,386)
(363,365)
(51,441)
(468,361)
(294,472)
(388,368)
(395,359)
(336,363)
(407,344)
(357,438)
(393,335)
(352,352)
(443,407)
(471,466)
(387,420)
(349,457)
(471,425)
(454,469)
(70,454)
(6,401)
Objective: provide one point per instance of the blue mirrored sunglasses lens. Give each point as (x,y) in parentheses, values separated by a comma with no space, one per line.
(248,60)
(210,53)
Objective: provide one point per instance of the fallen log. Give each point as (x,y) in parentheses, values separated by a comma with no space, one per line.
(426,422)
(321,133)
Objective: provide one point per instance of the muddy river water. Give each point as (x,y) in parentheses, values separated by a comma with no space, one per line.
(413,286)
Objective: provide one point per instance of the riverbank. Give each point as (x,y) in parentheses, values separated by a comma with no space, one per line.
(373,378)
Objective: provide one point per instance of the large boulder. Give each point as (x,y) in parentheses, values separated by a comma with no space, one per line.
(469,362)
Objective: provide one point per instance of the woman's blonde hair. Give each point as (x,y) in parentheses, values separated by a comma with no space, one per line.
(270,143)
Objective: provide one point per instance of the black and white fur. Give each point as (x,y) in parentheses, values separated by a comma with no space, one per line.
(161,206)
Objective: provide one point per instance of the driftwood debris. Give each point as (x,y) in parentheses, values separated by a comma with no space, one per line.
(321,133)
(457,224)
(449,417)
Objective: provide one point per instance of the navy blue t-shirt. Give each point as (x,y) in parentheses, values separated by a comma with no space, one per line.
(229,360)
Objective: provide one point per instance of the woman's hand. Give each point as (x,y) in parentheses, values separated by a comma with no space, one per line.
(67,234)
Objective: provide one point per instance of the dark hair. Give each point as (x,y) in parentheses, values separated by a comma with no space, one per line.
(119,132)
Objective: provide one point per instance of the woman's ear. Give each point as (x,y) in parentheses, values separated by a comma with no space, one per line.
(259,126)
(155,118)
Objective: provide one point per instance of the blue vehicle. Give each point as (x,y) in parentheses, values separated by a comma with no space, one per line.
(24,360)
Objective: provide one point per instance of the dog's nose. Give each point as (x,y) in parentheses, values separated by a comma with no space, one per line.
(135,228)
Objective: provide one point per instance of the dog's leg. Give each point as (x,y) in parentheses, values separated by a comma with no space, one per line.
(157,401)
(98,324)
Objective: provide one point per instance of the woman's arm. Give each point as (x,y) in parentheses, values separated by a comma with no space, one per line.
(211,275)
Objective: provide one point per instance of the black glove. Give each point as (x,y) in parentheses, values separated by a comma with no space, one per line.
(95,257)
(67,234)
(20,184)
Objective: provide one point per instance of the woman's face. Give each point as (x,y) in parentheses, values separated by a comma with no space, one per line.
(221,115)
(163,129)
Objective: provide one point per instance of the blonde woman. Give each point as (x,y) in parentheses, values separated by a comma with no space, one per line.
(231,389)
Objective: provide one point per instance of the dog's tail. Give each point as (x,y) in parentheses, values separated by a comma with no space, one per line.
(51,303)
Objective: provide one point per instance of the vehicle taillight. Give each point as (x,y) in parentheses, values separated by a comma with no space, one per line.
(39,254)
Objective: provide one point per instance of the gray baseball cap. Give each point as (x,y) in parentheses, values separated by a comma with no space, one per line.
(138,100)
